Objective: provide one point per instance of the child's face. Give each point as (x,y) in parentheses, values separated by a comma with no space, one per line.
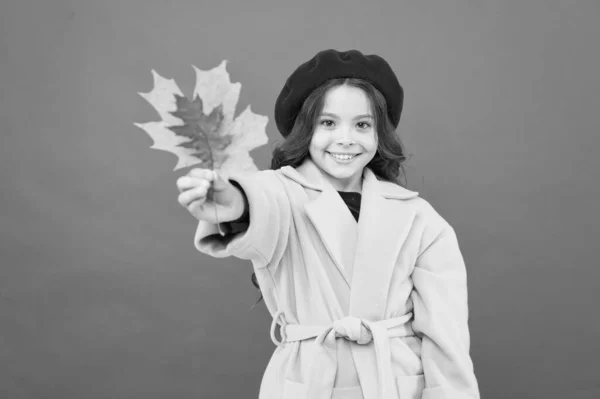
(346,126)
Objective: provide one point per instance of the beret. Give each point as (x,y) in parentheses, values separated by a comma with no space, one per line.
(330,64)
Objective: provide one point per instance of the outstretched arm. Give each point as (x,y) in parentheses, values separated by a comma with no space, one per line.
(268,225)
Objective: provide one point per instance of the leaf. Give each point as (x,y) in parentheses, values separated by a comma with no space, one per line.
(203,131)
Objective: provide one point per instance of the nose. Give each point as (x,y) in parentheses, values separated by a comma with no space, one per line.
(345,136)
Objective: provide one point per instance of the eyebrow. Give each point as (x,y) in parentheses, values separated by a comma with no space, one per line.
(358,117)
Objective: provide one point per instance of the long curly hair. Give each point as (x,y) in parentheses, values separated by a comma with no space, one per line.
(388,162)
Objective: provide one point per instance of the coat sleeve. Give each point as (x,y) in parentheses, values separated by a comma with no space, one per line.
(441,318)
(268,228)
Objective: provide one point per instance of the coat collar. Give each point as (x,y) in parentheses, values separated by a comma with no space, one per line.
(308,175)
(364,253)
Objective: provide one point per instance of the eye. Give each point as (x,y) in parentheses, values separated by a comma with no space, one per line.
(368,125)
(325,121)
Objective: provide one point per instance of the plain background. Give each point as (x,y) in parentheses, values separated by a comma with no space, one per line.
(102,293)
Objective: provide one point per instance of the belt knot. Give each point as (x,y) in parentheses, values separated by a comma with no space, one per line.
(353,329)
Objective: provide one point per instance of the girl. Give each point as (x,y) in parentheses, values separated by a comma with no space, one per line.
(365,278)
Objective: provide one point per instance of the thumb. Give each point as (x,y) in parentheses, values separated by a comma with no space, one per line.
(219,184)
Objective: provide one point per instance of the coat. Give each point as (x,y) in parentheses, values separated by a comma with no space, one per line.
(374,309)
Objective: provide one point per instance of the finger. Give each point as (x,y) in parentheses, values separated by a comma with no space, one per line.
(187,183)
(188,196)
(201,173)
(196,204)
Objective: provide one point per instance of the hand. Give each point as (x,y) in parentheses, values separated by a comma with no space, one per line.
(226,203)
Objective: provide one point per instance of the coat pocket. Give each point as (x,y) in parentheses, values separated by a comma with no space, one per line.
(297,390)
(410,386)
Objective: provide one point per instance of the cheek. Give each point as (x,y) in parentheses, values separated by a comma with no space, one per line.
(374,142)
(369,143)
(318,140)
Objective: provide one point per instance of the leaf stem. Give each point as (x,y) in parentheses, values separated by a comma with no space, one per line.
(210,193)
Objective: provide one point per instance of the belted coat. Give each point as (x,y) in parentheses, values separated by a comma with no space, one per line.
(374,309)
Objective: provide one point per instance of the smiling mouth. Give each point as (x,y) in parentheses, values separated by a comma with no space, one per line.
(343,156)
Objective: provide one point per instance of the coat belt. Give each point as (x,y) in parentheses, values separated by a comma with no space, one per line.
(324,364)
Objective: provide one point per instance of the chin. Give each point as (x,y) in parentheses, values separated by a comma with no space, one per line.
(342,174)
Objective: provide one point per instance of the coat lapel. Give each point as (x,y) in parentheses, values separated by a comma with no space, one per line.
(329,215)
(336,227)
(363,253)
(384,223)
